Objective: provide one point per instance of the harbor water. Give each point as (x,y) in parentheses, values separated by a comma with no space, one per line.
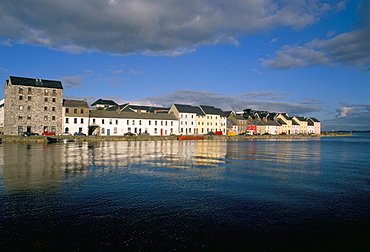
(283,194)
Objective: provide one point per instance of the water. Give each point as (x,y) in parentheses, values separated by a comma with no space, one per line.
(271,194)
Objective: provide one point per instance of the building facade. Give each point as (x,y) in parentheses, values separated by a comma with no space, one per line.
(76,116)
(32,105)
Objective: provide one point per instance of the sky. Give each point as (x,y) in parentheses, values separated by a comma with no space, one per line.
(306,58)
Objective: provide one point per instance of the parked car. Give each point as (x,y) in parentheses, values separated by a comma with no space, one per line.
(48,134)
(145,134)
(210,133)
(29,134)
(79,134)
(65,134)
(129,134)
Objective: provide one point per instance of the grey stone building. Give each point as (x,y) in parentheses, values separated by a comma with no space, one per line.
(33,105)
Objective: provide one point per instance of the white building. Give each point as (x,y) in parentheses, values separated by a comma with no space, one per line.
(120,122)
(75,116)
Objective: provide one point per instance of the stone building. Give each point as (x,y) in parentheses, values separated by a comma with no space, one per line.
(33,105)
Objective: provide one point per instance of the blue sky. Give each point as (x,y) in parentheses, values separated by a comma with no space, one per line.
(305,57)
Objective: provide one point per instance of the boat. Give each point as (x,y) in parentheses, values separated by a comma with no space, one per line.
(190,138)
(62,140)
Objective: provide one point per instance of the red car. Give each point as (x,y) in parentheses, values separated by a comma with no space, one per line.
(48,134)
(218,133)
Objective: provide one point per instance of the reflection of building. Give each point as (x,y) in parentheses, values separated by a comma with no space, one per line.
(33,105)
(30,166)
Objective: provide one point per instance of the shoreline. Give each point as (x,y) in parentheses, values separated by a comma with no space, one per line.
(157,138)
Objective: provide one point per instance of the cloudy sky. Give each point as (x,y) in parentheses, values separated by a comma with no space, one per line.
(305,57)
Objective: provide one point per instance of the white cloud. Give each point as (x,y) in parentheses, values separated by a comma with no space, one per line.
(154,27)
(350,49)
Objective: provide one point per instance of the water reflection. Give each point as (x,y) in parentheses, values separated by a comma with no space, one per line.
(27,165)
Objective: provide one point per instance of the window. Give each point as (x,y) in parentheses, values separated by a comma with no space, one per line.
(20,107)
(171,123)
(66,130)
(45,108)
(139,122)
(45,118)
(74,110)
(20,91)
(155,122)
(45,99)
(149,123)
(115,130)
(28,107)
(82,120)
(52,108)
(29,98)
(161,123)
(28,117)
(29,90)
(110,121)
(20,117)
(53,118)
(54,92)
(116,122)
(82,111)
(67,110)
(155,130)
(46,92)
(133,122)
(128,122)
(102,121)
(166,123)
(20,98)
(20,129)
(93,120)
(67,121)
(75,120)
(53,129)
(102,130)
(53,100)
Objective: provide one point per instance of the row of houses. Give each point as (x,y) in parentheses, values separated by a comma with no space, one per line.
(37,105)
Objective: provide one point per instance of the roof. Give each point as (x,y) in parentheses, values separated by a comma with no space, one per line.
(105,102)
(313,119)
(188,109)
(75,103)
(131,115)
(210,110)
(35,82)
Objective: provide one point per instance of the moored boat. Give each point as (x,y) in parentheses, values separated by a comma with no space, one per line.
(190,138)
(64,140)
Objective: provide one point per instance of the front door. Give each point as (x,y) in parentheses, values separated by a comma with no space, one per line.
(108,132)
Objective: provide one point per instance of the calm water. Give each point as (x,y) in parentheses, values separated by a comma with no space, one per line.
(300,194)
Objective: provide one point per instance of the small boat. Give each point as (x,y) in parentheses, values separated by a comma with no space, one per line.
(189,138)
(62,140)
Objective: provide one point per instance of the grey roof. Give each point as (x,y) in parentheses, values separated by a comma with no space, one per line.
(300,118)
(75,103)
(188,109)
(281,121)
(270,122)
(131,115)
(313,119)
(35,82)
(105,102)
(210,110)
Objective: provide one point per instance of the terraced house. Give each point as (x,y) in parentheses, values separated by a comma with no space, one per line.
(33,105)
